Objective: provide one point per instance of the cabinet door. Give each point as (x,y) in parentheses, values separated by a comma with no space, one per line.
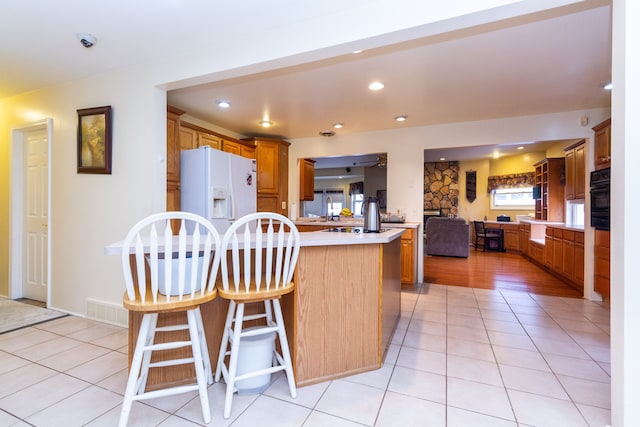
(248,152)
(548,251)
(267,204)
(602,145)
(231,147)
(570,175)
(511,237)
(268,172)
(579,172)
(406,257)
(173,196)
(208,139)
(173,147)
(557,254)
(568,254)
(578,264)
(306,179)
(188,138)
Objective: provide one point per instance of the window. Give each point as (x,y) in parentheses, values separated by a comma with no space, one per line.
(357,200)
(319,205)
(513,198)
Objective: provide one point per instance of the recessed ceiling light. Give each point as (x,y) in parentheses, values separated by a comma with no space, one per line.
(442,159)
(265,123)
(608,86)
(401,118)
(357,51)
(224,104)
(338,125)
(521,148)
(376,86)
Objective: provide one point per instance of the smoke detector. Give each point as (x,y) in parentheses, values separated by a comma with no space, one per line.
(87,40)
(326,133)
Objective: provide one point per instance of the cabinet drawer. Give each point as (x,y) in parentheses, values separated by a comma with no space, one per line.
(567,235)
(557,232)
(578,237)
(601,253)
(408,234)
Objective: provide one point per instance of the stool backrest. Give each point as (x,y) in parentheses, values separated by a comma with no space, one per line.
(479,227)
(184,266)
(262,252)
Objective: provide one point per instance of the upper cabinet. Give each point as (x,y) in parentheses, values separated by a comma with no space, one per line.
(238,148)
(548,176)
(306,179)
(602,145)
(574,161)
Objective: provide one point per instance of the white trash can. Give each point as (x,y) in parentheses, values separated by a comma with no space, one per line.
(255,353)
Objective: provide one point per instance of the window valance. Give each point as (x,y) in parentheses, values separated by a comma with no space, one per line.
(515,180)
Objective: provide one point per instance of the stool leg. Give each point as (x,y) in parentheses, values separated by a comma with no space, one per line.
(203,345)
(146,358)
(134,370)
(233,359)
(224,344)
(284,345)
(201,378)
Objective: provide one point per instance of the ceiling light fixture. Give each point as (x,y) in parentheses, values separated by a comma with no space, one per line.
(401,118)
(442,159)
(327,133)
(224,104)
(521,148)
(265,123)
(338,125)
(357,51)
(608,86)
(376,86)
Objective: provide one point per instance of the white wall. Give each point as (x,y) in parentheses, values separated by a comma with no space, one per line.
(89,211)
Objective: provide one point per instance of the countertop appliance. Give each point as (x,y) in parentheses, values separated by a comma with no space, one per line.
(217,185)
(372,215)
(600,186)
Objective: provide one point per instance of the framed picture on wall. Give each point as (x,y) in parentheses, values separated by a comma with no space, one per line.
(94,140)
(381,195)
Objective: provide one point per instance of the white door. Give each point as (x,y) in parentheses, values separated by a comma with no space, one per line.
(35,240)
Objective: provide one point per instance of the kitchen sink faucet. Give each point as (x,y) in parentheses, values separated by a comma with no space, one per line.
(329,208)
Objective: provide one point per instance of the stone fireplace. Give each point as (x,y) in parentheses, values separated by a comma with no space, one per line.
(441,187)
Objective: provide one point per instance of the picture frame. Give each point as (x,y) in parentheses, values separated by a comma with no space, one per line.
(381,195)
(94,140)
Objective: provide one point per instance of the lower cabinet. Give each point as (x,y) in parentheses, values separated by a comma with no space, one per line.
(602,266)
(564,254)
(407,257)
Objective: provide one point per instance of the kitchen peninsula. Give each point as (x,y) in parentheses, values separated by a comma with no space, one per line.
(341,317)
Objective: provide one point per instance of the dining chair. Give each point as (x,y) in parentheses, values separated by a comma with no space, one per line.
(262,251)
(484,236)
(164,272)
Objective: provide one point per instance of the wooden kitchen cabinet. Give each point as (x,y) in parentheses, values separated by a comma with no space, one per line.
(208,139)
(173,159)
(524,231)
(188,138)
(272,158)
(548,248)
(602,145)
(575,171)
(306,179)
(602,264)
(548,176)
(406,257)
(511,237)
(564,254)
(238,148)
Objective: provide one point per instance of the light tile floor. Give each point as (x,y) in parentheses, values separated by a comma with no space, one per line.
(459,357)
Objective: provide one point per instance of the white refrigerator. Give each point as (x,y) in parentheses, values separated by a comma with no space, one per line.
(217,185)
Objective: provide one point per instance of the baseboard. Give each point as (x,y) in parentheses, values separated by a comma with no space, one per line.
(107,312)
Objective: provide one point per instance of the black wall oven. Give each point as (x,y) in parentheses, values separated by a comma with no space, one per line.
(600,184)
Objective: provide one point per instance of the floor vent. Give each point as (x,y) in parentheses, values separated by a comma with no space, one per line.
(107,312)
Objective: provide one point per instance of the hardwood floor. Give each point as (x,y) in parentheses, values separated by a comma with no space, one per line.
(495,270)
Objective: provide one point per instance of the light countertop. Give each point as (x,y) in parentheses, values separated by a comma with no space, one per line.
(319,238)
(356,222)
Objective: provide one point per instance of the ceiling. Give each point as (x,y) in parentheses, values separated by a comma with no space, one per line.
(550,62)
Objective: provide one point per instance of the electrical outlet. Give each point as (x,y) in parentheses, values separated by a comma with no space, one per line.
(284,205)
